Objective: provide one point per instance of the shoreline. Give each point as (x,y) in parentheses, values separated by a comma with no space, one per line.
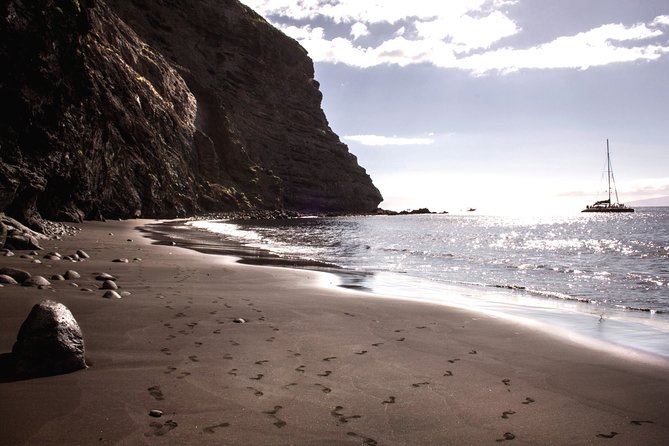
(312,365)
(604,328)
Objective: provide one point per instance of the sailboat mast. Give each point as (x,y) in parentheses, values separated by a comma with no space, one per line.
(608,168)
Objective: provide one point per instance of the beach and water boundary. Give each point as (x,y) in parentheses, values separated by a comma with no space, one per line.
(312,365)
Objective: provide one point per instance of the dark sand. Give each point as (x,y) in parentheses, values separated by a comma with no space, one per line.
(312,366)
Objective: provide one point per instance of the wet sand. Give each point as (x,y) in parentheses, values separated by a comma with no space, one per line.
(311,365)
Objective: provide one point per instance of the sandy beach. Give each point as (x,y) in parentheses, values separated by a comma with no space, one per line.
(312,365)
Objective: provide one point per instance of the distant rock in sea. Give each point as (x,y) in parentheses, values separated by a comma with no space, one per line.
(128,108)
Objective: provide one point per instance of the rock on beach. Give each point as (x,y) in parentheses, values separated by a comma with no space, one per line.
(49,342)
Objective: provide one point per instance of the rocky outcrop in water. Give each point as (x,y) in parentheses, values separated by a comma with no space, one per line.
(131,108)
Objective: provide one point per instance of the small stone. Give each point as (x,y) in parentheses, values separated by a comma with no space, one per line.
(111,233)
(111,295)
(34,253)
(121,260)
(76,285)
(9,254)
(136,259)
(174,243)
(53,256)
(105,276)
(156,413)
(239,320)
(9,280)
(125,293)
(36,262)
(82,254)
(129,239)
(36,281)
(17,274)
(109,285)
(71,274)
(87,290)
(57,277)
(27,256)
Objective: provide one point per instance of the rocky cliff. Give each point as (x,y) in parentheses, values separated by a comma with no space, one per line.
(162,108)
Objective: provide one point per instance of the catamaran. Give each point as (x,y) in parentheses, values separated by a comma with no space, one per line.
(607,205)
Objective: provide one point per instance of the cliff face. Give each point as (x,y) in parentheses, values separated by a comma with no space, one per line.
(162,108)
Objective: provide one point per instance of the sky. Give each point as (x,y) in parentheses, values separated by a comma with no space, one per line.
(499,105)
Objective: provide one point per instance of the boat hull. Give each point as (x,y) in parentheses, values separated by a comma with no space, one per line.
(610,210)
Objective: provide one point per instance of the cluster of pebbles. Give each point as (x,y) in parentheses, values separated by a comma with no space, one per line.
(16,276)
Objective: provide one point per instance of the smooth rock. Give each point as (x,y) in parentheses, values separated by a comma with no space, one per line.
(105,276)
(52,254)
(57,277)
(156,413)
(111,294)
(125,293)
(9,254)
(121,260)
(9,280)
(71,274)
(109,285)
(87,290)
(239,320)
(36,261)
(17,274)
(49,342)
(36,281)
(82,254)
(21,241)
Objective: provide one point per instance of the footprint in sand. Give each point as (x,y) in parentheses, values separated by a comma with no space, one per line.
(227,356)
(160,429)
(288,386)
(505,437)
(639,423)
(213,312)
(400,339)
(609,435)
(390,400)
(193,358)
(258,377)
(233,372)
(227,306)
(453,361)
(473,352)
(262,361)
(296,354)
(300,368)
(170,369)
(325,373)
(270,339)
(506,381)
(235,343)
(421,327)
(376,344)
(323,388)
(156,393)
(341,418)
(275,329)
(424,383)
(528,400)
(198,344)
(399,330)
(180,315)
(329,358)
(349,314)
(506,413)
(166,351)
(365,440)
(217,331)
(182,375)
(212,429)
(362,352)
(272,413)
(167,324)
(256,392)
(448,373)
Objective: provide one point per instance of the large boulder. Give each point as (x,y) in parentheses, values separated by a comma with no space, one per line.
(19,275)
(49,342)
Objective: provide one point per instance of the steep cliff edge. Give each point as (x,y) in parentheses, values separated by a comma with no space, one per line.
(162,108)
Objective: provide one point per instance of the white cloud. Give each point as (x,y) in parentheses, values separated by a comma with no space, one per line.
(458,34)
(376,140)
(359,30)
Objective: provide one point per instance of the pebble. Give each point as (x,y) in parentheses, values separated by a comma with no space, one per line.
(88,290)
(9,280)
(111,295)
(57,277)
(9,254)
(136,259)
(109,285)
(76,285)
(121,260)
(82,254)
(36,281)
(239,320)
(156,413)
(71,274)
(105,276)
(125,293)
(36,261)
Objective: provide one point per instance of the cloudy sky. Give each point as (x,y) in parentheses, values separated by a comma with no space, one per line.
(492,104)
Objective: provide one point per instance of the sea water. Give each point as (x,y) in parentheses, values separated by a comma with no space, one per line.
(603,278)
